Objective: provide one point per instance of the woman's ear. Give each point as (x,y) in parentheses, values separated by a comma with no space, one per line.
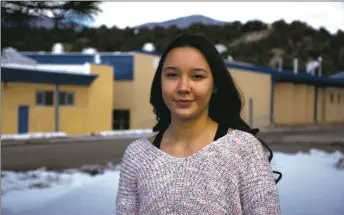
(215,90)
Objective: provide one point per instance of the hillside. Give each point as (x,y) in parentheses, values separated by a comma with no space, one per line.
(182,22)
(253,42)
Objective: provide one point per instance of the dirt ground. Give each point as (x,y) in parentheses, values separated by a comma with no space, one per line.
(64,154)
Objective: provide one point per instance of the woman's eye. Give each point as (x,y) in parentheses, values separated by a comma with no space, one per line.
(197,76)
(171,75)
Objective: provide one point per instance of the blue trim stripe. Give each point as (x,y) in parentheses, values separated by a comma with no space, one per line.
(338,75)
(46,77)
(285,76)
(62,58)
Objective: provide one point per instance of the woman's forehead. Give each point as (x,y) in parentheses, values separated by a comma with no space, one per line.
(186,57)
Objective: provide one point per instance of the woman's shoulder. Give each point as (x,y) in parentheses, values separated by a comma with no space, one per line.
(243,142)
(137,144)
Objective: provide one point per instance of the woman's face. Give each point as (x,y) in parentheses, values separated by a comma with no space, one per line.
(187,83)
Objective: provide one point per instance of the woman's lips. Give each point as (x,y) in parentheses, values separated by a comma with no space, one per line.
(184,103)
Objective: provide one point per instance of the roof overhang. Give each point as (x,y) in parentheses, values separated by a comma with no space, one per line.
(45,77)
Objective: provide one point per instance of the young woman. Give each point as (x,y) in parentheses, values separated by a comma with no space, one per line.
(204,159)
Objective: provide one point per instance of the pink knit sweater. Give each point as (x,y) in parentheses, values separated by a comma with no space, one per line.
(231,175)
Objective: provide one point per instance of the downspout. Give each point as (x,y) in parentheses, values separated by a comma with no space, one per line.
(272,100)
(57,108)
(250,114)
(316,104)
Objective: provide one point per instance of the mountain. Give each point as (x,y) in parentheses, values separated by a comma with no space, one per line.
(183,22)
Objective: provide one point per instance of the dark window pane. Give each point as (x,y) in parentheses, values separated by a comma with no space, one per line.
(49,98)
(62,99)
(126,117)
(121,119)
(338,98)
(70,99)
(39,98)
(331,98)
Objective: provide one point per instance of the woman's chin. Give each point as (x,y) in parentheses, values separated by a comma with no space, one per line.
(184,115)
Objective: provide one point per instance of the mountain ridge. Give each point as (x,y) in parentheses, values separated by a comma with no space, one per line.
(182,22)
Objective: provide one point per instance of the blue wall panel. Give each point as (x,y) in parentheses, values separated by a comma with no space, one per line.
(123,64)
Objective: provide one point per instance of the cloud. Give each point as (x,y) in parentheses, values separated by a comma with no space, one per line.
(317,14)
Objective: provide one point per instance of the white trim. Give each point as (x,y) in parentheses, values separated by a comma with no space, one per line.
(116,53)
(57,68)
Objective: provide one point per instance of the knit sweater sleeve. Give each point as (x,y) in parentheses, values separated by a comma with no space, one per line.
(127,201)
(258,190)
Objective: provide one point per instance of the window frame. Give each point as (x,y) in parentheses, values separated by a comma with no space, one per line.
(44,93)
(65,98)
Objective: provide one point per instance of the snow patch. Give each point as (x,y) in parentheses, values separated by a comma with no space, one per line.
(138,133)
(36,135)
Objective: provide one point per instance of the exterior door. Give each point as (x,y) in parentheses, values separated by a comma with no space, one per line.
(23,119)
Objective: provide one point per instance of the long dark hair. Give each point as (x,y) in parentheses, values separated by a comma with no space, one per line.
(225,105)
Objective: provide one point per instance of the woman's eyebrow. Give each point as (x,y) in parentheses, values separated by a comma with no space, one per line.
(170,67)
(198,69)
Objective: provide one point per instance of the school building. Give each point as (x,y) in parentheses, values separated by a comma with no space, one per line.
(115,92)
(284,98)
(43,99)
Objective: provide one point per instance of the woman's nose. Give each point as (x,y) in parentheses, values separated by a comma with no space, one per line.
(183,85)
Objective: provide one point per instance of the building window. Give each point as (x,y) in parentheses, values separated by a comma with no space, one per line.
(339,98)
(331,98)
(120,119)
(67,98)
(44,98)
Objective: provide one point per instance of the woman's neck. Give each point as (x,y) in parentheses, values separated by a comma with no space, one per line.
(189,131)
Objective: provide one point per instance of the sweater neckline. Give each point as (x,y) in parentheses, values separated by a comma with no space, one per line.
(199,152)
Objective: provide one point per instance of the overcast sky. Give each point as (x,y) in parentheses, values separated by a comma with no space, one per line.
(122,14)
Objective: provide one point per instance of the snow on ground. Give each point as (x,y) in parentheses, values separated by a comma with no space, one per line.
(132,133)
(35,135)
(72,192)
(311,185)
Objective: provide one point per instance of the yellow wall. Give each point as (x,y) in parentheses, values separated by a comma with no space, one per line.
(293,104)
(334,112)
(283,97)
(92,110)
(303,104)
(13,95)
(321,112)
(73,119)
(258,87)
(142,115)
(100,99)
(134,94)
